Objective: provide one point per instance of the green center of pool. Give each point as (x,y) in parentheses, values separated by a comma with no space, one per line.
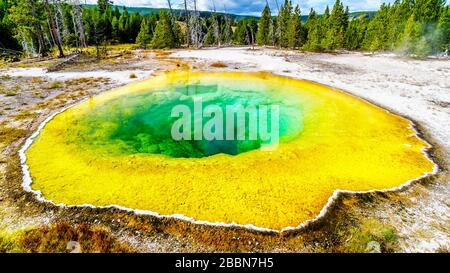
(141,122)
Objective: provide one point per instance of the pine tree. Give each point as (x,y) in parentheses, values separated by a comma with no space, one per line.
(323,25)
(263,35)
(216,28)
(7,26)
(313,27)
(178,34)
(410,36)
(311,19)
(295,29)
(99,31)
(209,38)
(444,30)
(115,32)
(326,15)
(127,31)
(164,36)
(273,31)
(428,13)
(283,23)
(350,38)
(28,16)
(124,25)
(239,35)
(346,18)
(144,37)
(103,5)
(38,25)
(134,25)
(395,24)
(376,37)
(227,32)
(251,30)
(336,27)
(116,12)
(354,34)
(107,27)
(428,10)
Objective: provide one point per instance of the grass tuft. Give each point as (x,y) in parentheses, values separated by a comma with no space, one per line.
(219,65)
(52,85)
(55,238)
(371,230)
(10,134)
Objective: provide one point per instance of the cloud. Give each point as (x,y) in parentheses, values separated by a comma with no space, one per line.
(253,7)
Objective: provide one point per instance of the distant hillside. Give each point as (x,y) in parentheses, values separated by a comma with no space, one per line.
(147,11)
(352,15)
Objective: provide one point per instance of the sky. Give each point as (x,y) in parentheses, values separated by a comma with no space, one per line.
(252,7)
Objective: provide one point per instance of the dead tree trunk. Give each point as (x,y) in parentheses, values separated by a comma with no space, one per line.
(79,23)
(227,27)
(53,28)
(37,28)
(61,26)
(188,31)
(196,26)
(216,25)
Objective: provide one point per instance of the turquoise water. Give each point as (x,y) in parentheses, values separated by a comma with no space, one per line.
(141,122)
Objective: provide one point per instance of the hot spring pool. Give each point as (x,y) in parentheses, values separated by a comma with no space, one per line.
(117,148)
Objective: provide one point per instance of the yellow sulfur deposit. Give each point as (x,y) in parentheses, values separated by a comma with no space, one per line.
(85,156)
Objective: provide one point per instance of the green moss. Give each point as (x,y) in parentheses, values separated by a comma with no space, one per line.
(9,92)
(55,238)
(24,114)
(370,230)
(78,81)
(443,249)
(10,134)
(37,80)
(390,235)
(5,77)
(52,85)
(10,242)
